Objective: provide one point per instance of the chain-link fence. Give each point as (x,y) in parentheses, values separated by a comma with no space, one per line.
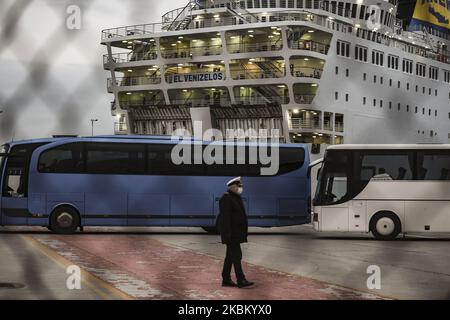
(51,74)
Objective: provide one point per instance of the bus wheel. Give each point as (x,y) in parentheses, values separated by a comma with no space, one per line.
(211,230)
(64,220)
(385,226)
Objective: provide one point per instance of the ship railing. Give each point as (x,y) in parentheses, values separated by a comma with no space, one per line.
(299,124)
(129,57)
(307,72)
(245,74)
(339,127)
(304,98)
(191,52)
(262,100)
(193,103)
(328,125)
(135,81)
(254,47)
(171,78)
(134,30)
(310,46)
(120,128)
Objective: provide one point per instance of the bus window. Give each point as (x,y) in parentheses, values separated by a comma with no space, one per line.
(391,165)
(334,178)
(63,159)
(115,158)
(17,163)
(433,165)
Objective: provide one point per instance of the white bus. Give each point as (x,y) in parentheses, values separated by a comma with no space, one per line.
(383,189)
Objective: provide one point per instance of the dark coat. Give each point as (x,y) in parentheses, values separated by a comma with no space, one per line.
(232,220)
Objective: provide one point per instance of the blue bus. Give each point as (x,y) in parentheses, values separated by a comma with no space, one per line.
(67,183)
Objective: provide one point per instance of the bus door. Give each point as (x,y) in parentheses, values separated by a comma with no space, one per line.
(14,202)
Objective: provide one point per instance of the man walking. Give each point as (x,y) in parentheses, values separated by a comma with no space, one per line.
(233,227)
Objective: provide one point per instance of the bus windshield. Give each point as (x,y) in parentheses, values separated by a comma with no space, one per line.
(333,179)
(3,151)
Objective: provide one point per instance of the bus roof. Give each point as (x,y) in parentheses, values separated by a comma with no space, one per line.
(425,146)
(142,138)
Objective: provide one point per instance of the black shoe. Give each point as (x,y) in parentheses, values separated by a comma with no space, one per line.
(228,283)
(244,284)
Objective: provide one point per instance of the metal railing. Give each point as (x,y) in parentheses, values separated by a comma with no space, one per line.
(191,52)
(310,46)
(254,47)
(304,98)
(135,81)
(299,124)
(129,57)
(200,102)
(134,30)
(120,128)
(328,125)
(262,100)
(246,74)
(307,72)
(339,127)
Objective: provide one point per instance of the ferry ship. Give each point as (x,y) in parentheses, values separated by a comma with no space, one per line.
(320,72)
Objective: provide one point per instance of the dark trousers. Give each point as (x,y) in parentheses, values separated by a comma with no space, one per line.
(233,258)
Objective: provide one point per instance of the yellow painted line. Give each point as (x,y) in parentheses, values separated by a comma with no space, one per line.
(105,290)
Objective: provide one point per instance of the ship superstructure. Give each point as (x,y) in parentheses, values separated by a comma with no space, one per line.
(321,72)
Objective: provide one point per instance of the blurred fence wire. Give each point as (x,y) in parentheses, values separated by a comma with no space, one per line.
(45,93)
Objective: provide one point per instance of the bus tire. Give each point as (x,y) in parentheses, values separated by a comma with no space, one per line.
(211,230)
(64,220)
(385,226)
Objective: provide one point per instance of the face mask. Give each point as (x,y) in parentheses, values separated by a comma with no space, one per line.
(240,190)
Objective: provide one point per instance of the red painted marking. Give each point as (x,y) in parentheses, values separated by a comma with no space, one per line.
(183,274)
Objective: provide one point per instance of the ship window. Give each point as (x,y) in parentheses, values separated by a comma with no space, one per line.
(299,3)
(347,73)
(364,76)
(377,58)
(337,70)
(273,3)
(420,69)
(393,62)
(399,107)
(433,73)
(361,53)
(336,95)
(374,102)
(381,80)
(308,4)
(407,66)
(390,104)
(362,12)
(346,97)
(354,9)
(374,79)
(291,4)
(446,76)
(264,3)
(282,3)
(407,86)
(364,102)
(333,6)
(343,48)
(417,110)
